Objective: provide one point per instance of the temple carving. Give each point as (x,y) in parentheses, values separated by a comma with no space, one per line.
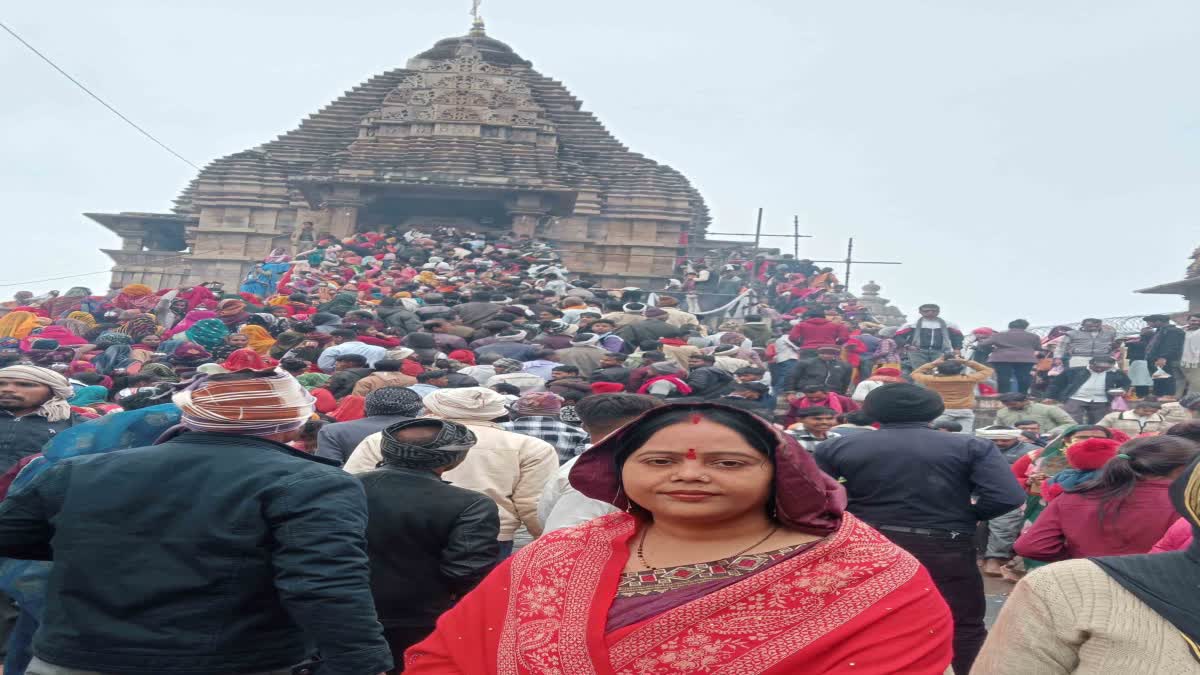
(469,135)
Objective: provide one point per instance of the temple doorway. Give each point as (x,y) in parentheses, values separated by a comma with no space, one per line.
(426,213)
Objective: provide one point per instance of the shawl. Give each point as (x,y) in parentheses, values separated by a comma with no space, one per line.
(84,317)
(18,324)
(350,408)
(60,334)
(850,598)
(159,371)
(1167,582)
(232,312)
(74,327)
(264,404)
(208,333)
(260,339)
(90,395)
(195,296)
(190,319)
(56,409)
(139,327)
(109,338)
(313,380)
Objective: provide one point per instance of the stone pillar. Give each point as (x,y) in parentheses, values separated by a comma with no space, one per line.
(526,211)
(343,204)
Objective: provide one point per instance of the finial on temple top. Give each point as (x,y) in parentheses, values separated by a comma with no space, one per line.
(477,28)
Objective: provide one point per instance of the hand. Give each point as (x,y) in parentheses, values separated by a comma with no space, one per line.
(958,353)
(1161,363)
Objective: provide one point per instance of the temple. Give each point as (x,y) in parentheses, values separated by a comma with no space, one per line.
(469,135)
(1188,287)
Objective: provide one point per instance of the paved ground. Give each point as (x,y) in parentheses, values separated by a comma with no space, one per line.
(997,591)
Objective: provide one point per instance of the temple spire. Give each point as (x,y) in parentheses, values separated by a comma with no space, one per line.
(477,28)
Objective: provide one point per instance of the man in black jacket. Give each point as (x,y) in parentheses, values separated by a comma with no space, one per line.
(33,408)
(221,550)
(429,542)
(1166,351)
(1086,393)
(826,370)
(916,485)
(706,380)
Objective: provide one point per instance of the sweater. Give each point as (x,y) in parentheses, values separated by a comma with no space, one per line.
(1052,418)
(957,391)
(510,468)
(816,333)
(1072,617)
(1012,346)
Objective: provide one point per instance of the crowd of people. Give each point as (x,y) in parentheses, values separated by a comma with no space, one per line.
(439,451)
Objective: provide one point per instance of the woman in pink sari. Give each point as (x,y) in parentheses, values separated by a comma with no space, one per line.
(733,554)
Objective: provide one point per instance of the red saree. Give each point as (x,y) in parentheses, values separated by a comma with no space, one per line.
(853,603)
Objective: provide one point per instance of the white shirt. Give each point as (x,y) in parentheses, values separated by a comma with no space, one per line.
(1094,390)
(328,358)
(1191,349)
(561,505)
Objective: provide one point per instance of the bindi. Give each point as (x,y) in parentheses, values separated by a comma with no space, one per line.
(696,418)
(691,453)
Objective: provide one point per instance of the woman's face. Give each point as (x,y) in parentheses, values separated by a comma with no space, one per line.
(1083,436)
(698,471)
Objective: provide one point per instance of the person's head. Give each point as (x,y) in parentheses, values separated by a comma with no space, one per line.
(612,360)
(947,426)
(949,368)
(506,389)
(426,445)
(435,326)
(1189,430)
(929,311)
(652,357)
(815,392)
(278,311)
(817,420)
(1019,324)
(1193,322)
(563,371)
(1004,437)
(702,465)
(481,296)
(348,361)
(1145,408)
(392,401)
(549,314)
(749,374)
(263,403)
(1090,325)
(1100,364)
(1145,458)
(856,417)
(151,340)
(508,366)
(435,378)
(28,389)
(237,340)
(1029,427)
(602,326)
(294,366)
(342,335)
(753,391)
(1157,320)
(700,361)
(1014,400)
(903,403)
(1082,432)
(828,353)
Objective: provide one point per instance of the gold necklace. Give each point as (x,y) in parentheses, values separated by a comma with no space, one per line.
(647,565)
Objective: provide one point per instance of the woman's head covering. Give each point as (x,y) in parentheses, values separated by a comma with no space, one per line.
(666,367)
(899,403)
(1053,458)
(160,371)
(208,333)
(136,290)
(247,403)
(89,396)
(83,317)
(139,327)
(463,356)
(350,408)
(450,442)
(190,353)
(313,380)
(18,324)
(806,498)
(260,340)
(1167,582)
(468,404)
(56,408)
(244,359)
(538,403)
(109,338)
(114,358)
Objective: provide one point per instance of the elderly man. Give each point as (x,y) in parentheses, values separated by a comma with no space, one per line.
(429,542)
(1018,407)
(225,504)
(383,408)
(536,414)
(1004,529)
(512,471)
(33,408)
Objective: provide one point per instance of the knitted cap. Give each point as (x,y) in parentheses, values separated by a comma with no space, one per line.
(896,403)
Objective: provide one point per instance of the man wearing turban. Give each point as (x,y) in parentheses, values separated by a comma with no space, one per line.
(510,468)
(429,542)
(221,515)
(33,408)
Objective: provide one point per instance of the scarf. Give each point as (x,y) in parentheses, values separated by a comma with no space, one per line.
(114,358)
(83,317)
(89,396)
(18,325)
(56,409)
(208,333)
(244,359)
(260,339)
(1167,582)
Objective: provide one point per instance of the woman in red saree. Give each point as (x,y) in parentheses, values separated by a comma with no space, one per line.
(733,555)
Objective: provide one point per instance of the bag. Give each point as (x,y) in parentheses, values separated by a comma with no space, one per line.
(1160,374)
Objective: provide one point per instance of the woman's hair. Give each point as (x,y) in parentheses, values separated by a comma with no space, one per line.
(1087,427)
(752,432)
(1147,457)
(1189,430)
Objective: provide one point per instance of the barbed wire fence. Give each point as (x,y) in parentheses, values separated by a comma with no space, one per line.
(1124,325)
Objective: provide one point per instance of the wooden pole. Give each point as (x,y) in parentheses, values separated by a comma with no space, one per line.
(796,234)
(758,230)
(849,262)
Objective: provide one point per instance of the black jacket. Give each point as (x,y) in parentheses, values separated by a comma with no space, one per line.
(403,320)
(21,437)
(341,384)
(709,382)
(1167,343)
(208,554)
(909,475)
(1065,385)
(833,374)
(429,543)
(650,330)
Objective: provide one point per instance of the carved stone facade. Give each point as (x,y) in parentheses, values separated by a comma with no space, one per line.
(881,308)
(468,135)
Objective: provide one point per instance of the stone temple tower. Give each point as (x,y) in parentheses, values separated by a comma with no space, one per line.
(468,134)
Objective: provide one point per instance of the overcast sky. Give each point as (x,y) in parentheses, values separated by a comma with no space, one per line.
(1023,159)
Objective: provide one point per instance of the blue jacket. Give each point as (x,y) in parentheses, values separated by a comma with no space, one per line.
(208,554)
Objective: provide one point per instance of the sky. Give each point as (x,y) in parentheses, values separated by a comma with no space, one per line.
(1025,159)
